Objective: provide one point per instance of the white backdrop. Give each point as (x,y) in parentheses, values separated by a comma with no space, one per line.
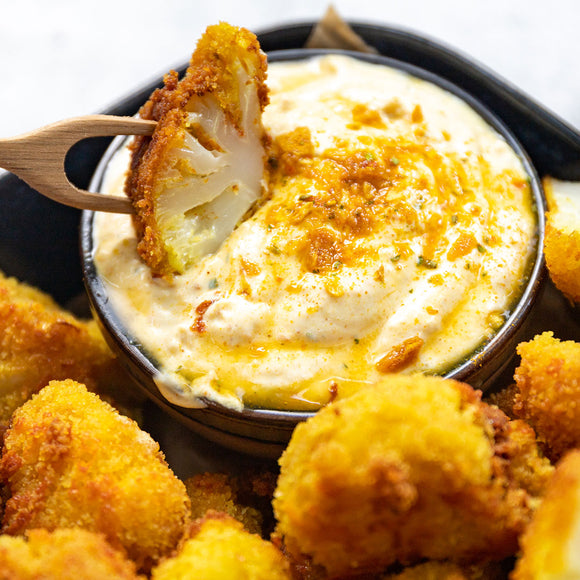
(62,58)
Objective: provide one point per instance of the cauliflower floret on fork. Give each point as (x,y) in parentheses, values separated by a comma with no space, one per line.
(202,170)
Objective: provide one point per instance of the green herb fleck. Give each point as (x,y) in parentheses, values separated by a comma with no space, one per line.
(431,264)
(394,161)
(480,249)
(396,258)
(212,284)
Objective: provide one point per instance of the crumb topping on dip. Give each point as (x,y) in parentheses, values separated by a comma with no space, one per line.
(395,237)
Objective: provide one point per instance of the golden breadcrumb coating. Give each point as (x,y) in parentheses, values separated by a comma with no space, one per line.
(219,547)
(244,497)
(67,554)
(411,468)
(217,104)
(551,543)
(40,342)
(548,397)
(448,571)
(430,571)
(504,399)
(562,237)
(70,459)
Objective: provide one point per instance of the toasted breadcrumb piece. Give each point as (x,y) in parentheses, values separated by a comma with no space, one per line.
(551,543)
(562,238)
(40,342)
(66,554)
(70,459)
(412,468)
(219,547)
(548,397)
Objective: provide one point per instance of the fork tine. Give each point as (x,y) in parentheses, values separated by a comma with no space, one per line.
(38,158)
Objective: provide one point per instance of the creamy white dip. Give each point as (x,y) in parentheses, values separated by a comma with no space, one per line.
(396,238)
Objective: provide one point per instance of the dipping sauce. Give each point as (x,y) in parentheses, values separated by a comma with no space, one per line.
(396,237)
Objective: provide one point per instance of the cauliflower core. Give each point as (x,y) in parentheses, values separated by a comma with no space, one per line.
(201,171)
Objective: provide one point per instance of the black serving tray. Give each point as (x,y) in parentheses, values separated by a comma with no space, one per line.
(39,238)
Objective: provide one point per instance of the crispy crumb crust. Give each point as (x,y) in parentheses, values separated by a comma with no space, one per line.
(562,252)
(561,247)
(70,459)
(218,546)
(212,70)
(549,538)
(351,498)
(448,571)
(63,554)
(40,342)
(548,396)
(246,497)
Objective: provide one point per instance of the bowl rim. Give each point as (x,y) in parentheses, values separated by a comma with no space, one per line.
(287,419)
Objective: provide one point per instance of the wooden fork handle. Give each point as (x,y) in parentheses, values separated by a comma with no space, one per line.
(38,158)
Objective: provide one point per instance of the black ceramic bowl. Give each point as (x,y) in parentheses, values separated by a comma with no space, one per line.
(266,431)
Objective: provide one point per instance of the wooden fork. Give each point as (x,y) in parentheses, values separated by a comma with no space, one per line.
(38,158)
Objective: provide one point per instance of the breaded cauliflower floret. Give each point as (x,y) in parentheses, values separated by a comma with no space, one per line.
(548,395)
(70,459)
(40,342)
(203,168)
(551,544)
(409,469)
(236,496)
(562,239)
(219,547)
(67,554)
(447,571)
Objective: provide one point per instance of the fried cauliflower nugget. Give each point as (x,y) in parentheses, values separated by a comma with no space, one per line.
(67,554)
(245,497)
(219,547)
(40,342)
(411,468)
(70,459)
(551,543)
(562,238)
(447,571)
(548,392)
(202,170)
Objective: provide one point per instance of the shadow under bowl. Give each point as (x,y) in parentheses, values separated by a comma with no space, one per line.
(265,432)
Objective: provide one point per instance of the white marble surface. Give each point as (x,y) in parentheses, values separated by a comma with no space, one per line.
(71,57)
